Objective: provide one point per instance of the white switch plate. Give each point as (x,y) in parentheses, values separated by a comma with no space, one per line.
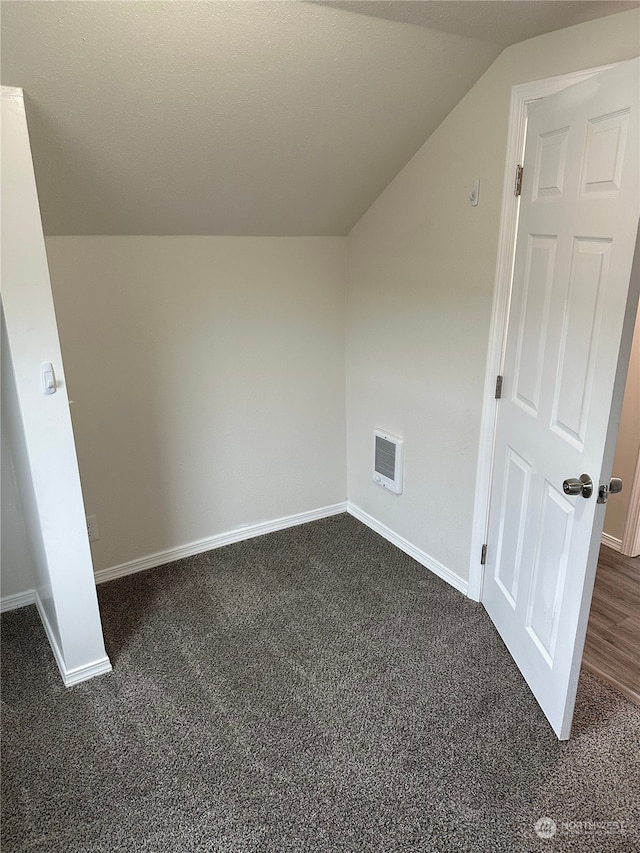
(92,528)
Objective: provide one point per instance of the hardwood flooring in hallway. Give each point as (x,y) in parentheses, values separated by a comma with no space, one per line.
(612,647)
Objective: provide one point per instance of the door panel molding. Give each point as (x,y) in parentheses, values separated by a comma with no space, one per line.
(521,96)
(586,341)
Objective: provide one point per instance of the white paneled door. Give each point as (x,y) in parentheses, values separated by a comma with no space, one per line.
(574,251)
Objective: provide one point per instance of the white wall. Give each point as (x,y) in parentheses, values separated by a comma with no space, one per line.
(421,266)
(207,375)
(40,434)
(17,573)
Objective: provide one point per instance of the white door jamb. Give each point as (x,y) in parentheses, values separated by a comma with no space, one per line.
(631,536)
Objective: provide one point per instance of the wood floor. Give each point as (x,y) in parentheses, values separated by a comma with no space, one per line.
(612,647)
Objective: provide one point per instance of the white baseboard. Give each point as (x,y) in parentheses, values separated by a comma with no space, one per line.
(404,545)
(219,541)
(103,665)
(53,642)
(87,671)
(19,599)
(611,542)
(80,673)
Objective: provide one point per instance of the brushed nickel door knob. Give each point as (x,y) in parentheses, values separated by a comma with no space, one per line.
(582,486)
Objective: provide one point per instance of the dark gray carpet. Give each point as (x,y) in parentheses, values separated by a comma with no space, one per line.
(311,690)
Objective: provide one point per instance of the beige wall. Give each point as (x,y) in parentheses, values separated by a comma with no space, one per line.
(627,444)
(207,375)
(421,266)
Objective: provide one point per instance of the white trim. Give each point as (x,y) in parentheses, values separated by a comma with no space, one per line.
(80,673)
(404,545)
(18,599)
(219,541)
(521,96)
(611,542)
(53,642)
(631,536)
(11,93)
(84,673)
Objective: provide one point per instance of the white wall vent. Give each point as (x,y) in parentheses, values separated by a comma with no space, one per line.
(387,461)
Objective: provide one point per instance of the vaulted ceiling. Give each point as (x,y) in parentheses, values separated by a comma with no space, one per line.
(245,116)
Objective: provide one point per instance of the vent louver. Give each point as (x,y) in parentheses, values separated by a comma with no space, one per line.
(387,461)
(385,457)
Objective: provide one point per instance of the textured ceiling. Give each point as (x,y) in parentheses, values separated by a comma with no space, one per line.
(250,117)
(497,21)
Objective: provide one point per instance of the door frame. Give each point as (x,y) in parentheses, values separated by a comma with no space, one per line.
(522,95)
(631,537)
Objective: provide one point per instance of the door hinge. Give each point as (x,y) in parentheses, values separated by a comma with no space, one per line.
(499,387)
(483,555)
(517,190)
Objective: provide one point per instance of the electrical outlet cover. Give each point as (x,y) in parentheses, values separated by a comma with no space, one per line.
(92,528)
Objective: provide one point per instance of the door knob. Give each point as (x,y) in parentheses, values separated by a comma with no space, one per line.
(583,486)
(615,486)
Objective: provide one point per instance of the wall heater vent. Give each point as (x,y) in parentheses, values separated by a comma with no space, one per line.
(387,461)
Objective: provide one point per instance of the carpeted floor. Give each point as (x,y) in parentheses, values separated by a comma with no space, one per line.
(311,690)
